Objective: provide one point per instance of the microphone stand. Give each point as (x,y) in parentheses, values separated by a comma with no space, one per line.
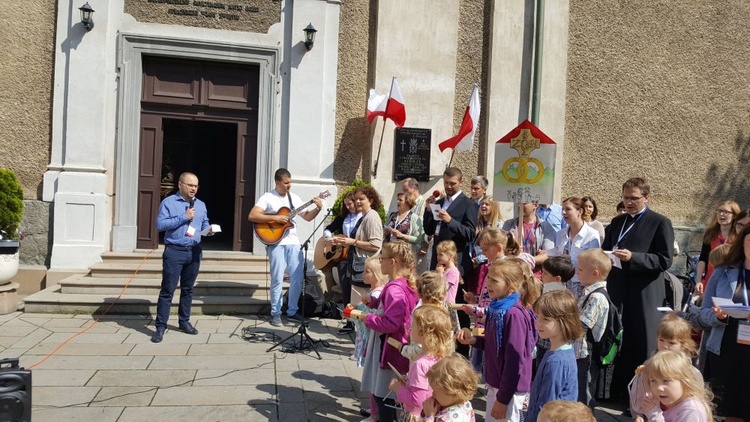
(305,341)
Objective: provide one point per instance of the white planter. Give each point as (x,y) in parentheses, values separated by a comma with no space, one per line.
(8,260)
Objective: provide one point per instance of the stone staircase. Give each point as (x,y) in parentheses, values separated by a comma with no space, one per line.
(228,283)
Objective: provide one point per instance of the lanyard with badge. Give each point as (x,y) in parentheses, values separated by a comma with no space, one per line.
(625,233)
(740,295)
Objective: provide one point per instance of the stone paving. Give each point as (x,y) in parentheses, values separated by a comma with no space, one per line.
(113,372)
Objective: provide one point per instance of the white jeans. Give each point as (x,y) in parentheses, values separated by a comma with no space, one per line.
(515,410)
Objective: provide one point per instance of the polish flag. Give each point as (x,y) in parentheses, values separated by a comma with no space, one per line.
(375,105)
(396,109)
(464,141)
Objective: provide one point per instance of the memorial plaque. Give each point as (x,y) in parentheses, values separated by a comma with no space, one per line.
(411,153)
(236,15)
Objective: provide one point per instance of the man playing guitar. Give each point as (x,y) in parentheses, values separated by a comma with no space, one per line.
(286,254)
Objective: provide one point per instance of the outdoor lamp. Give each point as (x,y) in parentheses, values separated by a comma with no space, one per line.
(309,36)
(86,19)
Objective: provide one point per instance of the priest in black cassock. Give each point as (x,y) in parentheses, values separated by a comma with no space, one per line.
(644,241)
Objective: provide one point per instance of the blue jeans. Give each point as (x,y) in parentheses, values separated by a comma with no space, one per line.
(285,258)
(177,265)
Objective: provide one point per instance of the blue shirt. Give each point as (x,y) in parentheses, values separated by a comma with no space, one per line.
(552,214)
(172,219)
(556,379)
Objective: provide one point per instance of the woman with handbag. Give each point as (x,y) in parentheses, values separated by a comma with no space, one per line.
(365,241)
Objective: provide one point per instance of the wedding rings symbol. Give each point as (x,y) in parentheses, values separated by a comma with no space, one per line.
(522,170)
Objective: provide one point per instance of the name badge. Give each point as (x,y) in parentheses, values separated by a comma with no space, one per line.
(190,231)
(743,333)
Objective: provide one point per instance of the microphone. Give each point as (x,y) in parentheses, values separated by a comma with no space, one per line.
(436,193)
(192,203)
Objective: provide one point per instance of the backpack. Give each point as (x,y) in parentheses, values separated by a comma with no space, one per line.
(604,352)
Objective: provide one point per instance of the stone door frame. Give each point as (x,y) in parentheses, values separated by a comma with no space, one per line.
(130,51)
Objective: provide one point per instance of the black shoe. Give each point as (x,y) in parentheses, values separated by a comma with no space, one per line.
(188,329)
(158,335)
(364,412)
(296,317)
(346,329)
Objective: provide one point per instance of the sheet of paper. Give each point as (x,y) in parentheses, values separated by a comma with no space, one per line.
(743,333)
(434,208)
(615,260)
(734,310)
(664,309)
(212,228)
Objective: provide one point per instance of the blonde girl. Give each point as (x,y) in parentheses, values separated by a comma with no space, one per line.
(557,376)
(507,369)
(446,256)
(374,278)
(430,327)
(453,383)
(431,290)
(398,299)
(674,334)
(676,395)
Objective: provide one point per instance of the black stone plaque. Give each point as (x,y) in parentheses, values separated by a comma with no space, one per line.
(411,153)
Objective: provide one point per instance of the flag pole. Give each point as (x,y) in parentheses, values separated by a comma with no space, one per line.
(453,151)
(380,145)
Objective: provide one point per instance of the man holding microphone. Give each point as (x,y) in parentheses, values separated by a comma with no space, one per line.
(183,217)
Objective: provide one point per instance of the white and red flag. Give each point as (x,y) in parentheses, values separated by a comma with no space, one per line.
(396,108)
(390,107)
(464,141)
(375,105)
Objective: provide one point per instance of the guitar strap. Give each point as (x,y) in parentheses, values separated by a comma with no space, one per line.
(291,205)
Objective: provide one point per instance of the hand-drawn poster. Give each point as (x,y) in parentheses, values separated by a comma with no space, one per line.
(524,166)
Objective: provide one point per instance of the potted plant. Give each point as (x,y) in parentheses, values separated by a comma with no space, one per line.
(11,212)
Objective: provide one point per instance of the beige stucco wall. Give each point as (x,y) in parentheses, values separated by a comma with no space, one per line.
(357,50)
(659,88)
(356,57)
(25,90)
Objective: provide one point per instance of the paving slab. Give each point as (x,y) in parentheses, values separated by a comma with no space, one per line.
(200,413)
(211,362)
(76,414)
(8,341)
(235,377)
(92,338)
(63,322)
(211,395)
(60,377)
(241,349)
(97,362)
(32,339)
(82,349)
(124,396)
(159,349)
(17,331)
(171,336)
(142,378)
(63,396)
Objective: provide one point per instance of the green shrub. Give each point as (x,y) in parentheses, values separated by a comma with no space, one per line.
(340,200)
(11,204)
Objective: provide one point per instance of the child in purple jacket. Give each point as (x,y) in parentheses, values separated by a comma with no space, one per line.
(508,343)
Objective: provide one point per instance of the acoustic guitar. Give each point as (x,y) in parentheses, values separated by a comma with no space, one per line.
(271,233)
(326,254)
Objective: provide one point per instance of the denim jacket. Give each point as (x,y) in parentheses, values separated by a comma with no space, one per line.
(722,284)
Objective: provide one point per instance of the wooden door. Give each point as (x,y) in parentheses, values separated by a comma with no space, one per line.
(149,180)
(245,186)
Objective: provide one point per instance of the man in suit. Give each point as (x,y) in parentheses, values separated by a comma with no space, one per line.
(643,240)
(456,220)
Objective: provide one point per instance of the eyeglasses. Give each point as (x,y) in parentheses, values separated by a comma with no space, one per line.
(631,198)
(190,185)
(723,212)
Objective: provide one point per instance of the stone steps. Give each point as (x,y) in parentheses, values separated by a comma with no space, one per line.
(52,300)
(228,283)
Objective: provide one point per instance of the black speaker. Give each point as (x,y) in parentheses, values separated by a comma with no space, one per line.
(15,392)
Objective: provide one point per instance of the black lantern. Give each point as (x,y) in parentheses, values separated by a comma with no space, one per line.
(86,16)
(309,36)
